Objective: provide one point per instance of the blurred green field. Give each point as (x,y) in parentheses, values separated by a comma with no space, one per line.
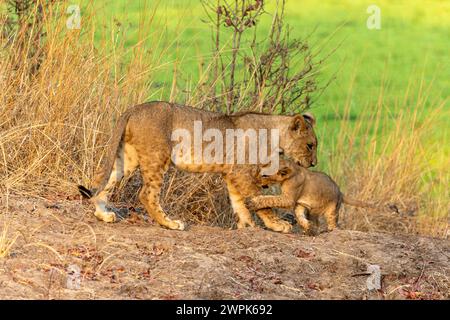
(413,43)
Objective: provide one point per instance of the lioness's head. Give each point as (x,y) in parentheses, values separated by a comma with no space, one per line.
(300,141)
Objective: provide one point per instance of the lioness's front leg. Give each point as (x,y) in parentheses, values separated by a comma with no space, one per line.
(274,222)
(242,186)
(244,217)
(262,202)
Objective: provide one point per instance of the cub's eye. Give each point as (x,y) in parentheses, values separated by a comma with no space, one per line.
(310,146)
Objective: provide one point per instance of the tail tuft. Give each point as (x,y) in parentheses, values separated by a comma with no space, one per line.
(85,192)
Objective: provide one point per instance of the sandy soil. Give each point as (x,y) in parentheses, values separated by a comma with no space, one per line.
(134,259)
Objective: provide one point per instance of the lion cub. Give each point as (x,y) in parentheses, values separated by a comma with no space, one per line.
(306,192)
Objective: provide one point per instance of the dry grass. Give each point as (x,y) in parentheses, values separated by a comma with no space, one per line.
(6,242)
(385,157)
(57,121)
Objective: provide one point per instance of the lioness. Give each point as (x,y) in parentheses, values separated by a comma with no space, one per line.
(143,137)
(306,192)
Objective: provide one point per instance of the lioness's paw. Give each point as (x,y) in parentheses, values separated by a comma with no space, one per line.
(106,216)
(178,225)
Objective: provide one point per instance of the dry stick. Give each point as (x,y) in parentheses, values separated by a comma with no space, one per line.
(217,53)
(236,44)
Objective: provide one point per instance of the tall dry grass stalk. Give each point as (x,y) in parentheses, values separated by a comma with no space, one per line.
(6,242)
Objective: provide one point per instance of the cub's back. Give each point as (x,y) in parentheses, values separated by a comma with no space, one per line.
(319,189)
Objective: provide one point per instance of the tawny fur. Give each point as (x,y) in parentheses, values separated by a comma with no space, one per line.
(306,192)
(142,139)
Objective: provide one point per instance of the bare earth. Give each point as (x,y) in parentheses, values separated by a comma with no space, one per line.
(134,259)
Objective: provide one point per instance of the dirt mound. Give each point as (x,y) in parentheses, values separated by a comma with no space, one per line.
(136,259)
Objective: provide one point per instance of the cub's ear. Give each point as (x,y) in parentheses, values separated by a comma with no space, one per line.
(284,171)
(309,118)
(297,123)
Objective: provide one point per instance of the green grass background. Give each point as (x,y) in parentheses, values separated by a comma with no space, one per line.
(413,43)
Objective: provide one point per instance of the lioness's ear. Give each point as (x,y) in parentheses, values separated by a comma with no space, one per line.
(298,123)
(309,118)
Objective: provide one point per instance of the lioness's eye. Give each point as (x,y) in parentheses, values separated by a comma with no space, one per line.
(310,146)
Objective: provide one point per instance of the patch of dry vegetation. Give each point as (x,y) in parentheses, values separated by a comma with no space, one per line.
(385,157)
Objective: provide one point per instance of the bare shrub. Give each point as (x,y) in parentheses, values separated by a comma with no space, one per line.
(275,74)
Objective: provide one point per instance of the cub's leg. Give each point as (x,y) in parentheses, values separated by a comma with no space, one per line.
(242,187)
(262,202)
(300,213)
(153,168)
(331,215)
(125,163)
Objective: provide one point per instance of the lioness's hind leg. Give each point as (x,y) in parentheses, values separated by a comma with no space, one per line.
(125,163)
(153,173)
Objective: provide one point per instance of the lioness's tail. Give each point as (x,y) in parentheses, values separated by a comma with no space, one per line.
(357,203)
(108,162)
(85,192)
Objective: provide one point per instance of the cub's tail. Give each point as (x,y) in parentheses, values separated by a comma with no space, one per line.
(357,203)
(392,208)
(85,192)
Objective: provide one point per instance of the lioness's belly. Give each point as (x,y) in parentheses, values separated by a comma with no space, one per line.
(203,167)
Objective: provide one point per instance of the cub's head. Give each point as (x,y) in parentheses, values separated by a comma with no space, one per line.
(300,141)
